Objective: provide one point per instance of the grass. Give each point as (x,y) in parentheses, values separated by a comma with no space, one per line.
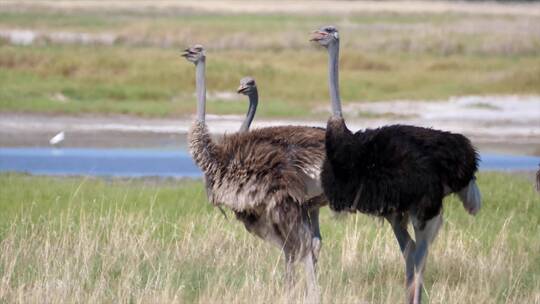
(157,82)
(65,240)
(384,56)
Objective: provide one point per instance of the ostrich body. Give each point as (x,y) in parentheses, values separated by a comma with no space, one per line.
(397,172)
(268,177)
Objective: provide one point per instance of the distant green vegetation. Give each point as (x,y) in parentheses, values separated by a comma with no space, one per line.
(68,240)
(158,82)
(384,56)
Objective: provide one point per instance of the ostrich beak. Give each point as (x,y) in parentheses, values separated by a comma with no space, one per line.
(187,52)
(317,35)
(241,89)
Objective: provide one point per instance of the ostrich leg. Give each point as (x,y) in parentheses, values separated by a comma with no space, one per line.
(312,240)
(425,233)
(406,244)
(289,269)
(264,228)
(312,296)
(316,233)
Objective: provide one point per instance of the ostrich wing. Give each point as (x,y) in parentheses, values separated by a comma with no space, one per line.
(265,167)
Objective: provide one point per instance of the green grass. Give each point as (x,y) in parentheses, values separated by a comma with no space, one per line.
(65,240)
(157,82)
(384,56)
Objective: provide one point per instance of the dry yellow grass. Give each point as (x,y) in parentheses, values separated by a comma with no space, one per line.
(80,241)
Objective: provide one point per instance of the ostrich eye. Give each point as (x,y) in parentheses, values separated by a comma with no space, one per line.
(251,82)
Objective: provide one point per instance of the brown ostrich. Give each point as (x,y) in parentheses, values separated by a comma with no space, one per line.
(268,177)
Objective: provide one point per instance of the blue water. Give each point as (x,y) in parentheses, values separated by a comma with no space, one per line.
(164,163)
(99,162)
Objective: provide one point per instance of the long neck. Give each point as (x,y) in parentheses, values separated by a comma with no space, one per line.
(200,83)
(202,148)
(253,101)
(339,138)
(333,78)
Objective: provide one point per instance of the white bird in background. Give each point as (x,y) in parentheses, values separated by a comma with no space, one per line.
(57,139)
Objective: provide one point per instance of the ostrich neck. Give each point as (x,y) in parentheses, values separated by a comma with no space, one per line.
(202,149)
(338,136)
(200,83)
(333,79)
(253,101)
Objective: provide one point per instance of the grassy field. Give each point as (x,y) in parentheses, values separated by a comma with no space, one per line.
(72,240)
(139,71)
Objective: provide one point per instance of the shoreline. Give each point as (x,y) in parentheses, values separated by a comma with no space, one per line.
(504,135)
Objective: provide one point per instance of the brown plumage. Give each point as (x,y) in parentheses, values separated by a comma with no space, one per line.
(269,177)
(263,167)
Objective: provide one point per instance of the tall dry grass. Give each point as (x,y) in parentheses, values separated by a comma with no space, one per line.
(104,251)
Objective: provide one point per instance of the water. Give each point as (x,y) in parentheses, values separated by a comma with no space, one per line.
(99,162)
(163,163)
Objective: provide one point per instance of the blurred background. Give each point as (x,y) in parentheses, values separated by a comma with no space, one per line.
(98,88)
(108,74)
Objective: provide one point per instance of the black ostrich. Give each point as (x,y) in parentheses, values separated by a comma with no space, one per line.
(397,172)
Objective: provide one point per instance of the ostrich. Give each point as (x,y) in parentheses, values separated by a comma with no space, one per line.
(248,87)
(268,177)
(397,172)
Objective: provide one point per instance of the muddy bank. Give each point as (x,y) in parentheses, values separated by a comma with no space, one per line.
(505,124)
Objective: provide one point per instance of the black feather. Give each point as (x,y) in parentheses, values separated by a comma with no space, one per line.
(395,168)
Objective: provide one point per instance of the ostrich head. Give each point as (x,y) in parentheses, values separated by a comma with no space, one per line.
(247,86)
(326,35)
(194,53)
